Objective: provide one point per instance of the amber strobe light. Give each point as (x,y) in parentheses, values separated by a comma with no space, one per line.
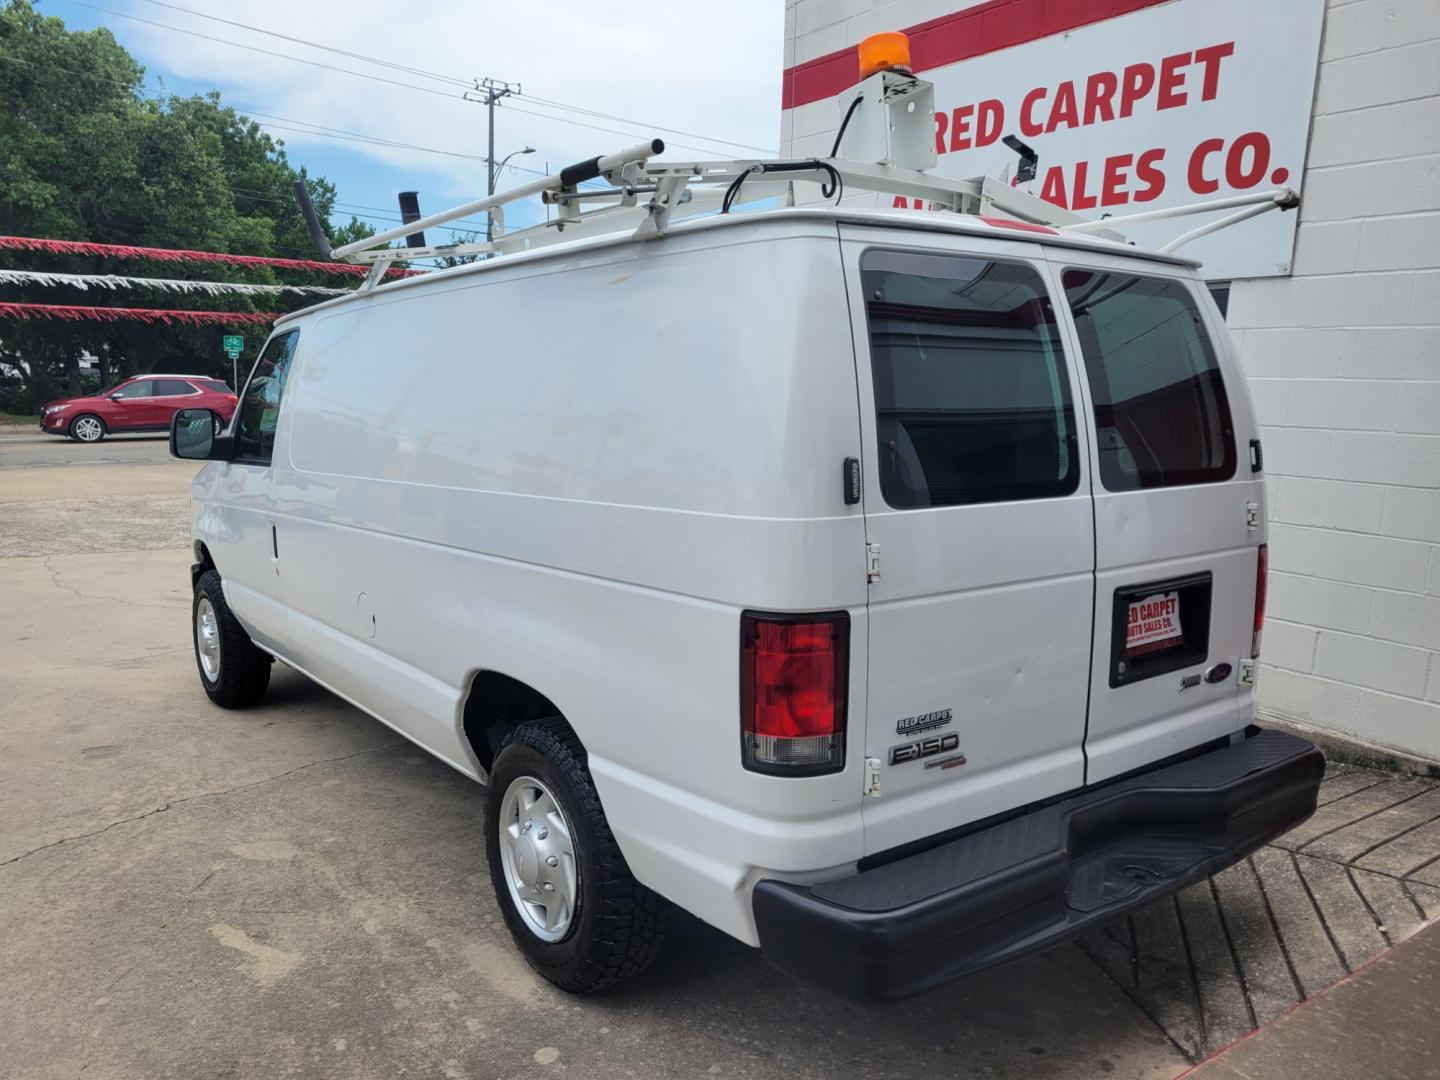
(889,51)
(793,676)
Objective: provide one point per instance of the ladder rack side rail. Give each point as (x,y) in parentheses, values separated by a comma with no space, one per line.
(1279,198)
(1245,213)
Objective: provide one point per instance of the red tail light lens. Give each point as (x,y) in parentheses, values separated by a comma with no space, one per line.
(794,671)
(1262,574)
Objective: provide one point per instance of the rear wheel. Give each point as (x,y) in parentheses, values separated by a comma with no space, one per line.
(233,671)
(87,428)
(568,897)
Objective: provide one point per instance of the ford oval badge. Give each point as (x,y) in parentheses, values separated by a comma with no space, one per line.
(1218,673)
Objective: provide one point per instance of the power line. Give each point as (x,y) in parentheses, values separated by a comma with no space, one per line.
(257,49)
(309,127)
(642,124)
(455,79)
(423,73)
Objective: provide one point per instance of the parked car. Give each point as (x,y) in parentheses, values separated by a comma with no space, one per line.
(883,588)
(142,403)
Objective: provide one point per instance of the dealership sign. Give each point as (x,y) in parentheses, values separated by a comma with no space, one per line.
(1169,103)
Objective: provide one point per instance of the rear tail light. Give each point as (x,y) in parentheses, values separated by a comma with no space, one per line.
(794,672)
(1262,572)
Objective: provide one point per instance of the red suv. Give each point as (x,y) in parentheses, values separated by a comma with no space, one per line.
(143,403)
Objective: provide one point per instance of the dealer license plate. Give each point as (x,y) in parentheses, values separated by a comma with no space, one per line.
(1154,624)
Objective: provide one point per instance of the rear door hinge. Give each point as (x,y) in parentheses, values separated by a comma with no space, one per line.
(872,776)
(1246,675)
(1252,515)
(872,563)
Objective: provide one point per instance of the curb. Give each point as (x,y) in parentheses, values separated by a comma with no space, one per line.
(1351,751)
(1347,977)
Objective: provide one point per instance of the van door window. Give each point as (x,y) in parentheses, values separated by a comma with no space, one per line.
(972,399)
(260,403)
(1161,414)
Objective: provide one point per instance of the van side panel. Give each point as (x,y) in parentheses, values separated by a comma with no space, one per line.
(578,473)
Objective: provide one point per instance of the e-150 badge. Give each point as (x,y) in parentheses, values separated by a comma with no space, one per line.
(937,744)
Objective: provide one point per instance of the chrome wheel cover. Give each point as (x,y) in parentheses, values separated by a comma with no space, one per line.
(207,639)
(538,858)
(87,429)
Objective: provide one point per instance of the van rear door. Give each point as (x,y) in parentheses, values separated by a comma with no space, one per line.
(978,513)
(1178,512)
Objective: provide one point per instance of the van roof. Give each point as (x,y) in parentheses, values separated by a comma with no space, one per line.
(900,220)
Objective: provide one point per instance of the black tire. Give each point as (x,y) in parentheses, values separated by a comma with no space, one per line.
(618,924)
(98,427)
(244,670)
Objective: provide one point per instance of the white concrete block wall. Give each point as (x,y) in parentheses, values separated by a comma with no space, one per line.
(1344,362)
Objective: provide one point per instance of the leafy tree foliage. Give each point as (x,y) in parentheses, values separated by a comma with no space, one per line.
(86,155)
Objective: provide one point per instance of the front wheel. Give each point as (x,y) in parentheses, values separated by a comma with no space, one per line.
(233,671)
(87,428)
(568,897)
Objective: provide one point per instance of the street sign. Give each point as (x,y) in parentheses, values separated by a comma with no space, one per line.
(234,344)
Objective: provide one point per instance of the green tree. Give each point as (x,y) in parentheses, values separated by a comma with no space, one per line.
(84,154)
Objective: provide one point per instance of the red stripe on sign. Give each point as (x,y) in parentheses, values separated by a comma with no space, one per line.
(985,28)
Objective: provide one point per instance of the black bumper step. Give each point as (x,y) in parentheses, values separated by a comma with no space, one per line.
(1035,880)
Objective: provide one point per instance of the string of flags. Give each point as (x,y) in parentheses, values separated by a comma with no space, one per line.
(181,255)
(175,285)
(73,313)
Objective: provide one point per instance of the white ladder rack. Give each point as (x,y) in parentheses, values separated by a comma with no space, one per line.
(646,196)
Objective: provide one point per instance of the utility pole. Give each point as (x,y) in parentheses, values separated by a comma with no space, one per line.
(488,91)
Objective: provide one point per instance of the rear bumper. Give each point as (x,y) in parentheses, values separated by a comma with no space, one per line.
(1033,881)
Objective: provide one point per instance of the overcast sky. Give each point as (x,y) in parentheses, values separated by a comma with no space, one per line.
(711,70)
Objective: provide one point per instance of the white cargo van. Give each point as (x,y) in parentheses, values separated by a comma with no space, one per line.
(882,587)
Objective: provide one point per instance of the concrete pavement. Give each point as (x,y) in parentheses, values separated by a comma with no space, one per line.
(294,890)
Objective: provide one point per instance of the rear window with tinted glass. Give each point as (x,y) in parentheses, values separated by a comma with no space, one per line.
(972,398)
(1161,413)
(215,384)
(173,388)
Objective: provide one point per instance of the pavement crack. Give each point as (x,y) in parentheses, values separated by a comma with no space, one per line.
(192,798)
(55,580)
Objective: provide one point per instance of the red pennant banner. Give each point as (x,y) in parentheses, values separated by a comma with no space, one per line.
(69,313)
(124,251)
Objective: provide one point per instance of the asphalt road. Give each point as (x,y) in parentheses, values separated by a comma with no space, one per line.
(26,449)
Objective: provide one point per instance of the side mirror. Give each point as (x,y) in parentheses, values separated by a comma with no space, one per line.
(116,397)
(195,436)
